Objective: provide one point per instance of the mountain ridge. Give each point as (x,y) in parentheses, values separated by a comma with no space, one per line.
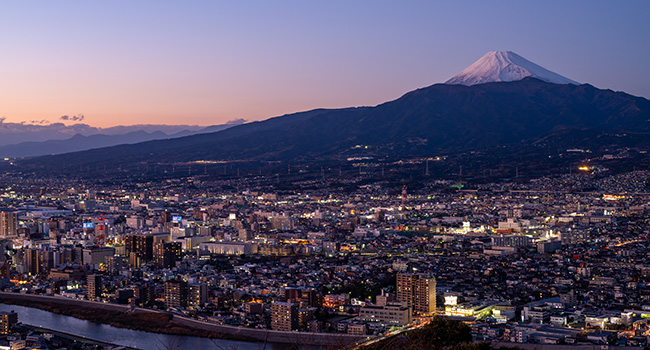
(436,118)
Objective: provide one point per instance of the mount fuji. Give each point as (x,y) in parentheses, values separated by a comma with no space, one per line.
(501,66)
(502,105)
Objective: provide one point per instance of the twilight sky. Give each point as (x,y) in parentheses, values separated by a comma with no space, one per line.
(206,62)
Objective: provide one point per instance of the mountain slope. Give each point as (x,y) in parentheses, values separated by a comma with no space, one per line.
(436,118)
(503,66)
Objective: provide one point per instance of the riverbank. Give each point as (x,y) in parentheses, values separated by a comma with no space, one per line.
(154,321)
(140,320)
(78,338)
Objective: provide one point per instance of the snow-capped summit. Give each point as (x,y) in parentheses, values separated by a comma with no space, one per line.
(498,66)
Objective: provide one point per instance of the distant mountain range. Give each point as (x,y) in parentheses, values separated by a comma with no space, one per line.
(440,118)
(115,136)
(37,131)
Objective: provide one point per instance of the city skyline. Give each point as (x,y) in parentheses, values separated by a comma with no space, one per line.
(206,63)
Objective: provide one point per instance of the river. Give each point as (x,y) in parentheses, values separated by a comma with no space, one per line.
(127,337)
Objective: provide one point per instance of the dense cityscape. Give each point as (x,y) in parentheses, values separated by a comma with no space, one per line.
(333,175)
(541,261)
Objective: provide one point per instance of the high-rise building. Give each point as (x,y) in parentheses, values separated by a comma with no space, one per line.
(254,308)
(32,261)
(48,259)
(405,287)
(284,316)
(310,298)
(165,254)
(141,245)
(424,295)
(197,294)
(144,294)
(306,315)
(291,293)
(69,255)
(418,291)
(115,264)
(8,224)
(165,216)
(7,321)
(245,234)
(175,293)
(94,286)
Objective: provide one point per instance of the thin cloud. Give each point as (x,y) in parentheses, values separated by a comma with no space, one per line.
(236,121)
(74,118)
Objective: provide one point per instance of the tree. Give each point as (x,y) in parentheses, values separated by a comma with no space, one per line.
(440,333)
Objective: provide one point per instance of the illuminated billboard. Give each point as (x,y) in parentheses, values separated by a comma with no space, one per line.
(451,300)
(88,225)
(177,218)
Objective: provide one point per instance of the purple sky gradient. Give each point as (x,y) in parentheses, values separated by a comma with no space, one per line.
(206,62)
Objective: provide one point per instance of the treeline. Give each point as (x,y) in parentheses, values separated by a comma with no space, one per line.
(439,334)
